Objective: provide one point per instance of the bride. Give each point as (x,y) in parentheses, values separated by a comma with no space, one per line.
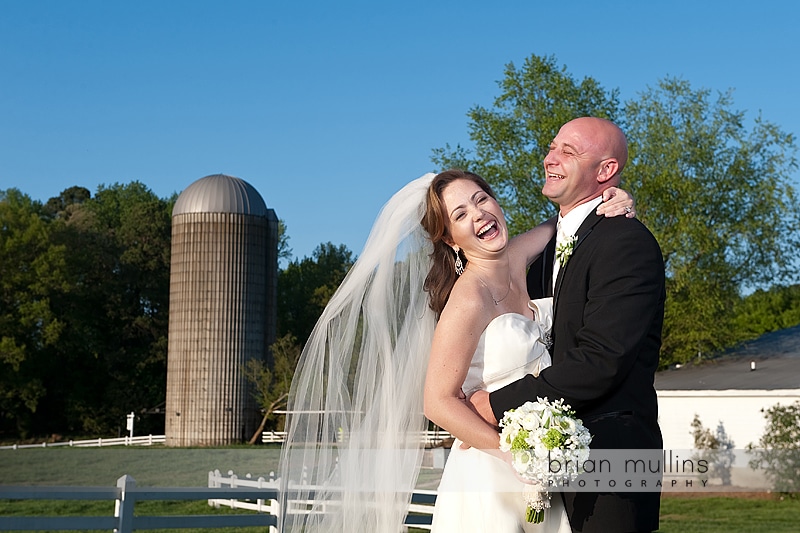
(489,333)
(353,448)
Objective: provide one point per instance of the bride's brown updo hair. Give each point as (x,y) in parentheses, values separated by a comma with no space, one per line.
(442,275)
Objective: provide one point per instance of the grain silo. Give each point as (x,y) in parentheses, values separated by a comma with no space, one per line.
(222,309)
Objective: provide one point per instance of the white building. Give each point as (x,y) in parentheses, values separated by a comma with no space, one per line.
(730,390)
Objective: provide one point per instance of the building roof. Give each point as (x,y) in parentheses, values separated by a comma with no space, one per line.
(775,356)
(219,193)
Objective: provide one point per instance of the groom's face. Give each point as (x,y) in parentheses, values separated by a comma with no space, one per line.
(572,164)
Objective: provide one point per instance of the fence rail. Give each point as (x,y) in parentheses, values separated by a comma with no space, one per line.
(420,510)
(430,438)
(144,440)
(261,505)
(126,494)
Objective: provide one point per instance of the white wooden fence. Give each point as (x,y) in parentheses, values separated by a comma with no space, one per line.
(258,495)
(145,440)
(420,510)
(126,494)
(261,505)
(430,438)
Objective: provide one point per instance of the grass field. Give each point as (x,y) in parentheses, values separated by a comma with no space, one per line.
(745,513)
(155,466)
(159,466)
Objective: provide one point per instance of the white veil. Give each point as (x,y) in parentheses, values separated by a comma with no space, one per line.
(353,446)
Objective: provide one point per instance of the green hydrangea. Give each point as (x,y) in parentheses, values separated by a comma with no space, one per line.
(520,442)
(554,439)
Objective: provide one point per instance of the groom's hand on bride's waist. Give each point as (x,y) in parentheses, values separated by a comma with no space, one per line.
(479,402)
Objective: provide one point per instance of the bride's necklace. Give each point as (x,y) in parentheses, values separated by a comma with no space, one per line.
(495,300)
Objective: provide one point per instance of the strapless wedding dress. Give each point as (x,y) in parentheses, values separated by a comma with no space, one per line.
(479,492)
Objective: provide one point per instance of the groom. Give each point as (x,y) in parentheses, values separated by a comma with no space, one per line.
(609,307)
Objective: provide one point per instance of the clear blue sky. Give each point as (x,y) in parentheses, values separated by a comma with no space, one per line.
(327,108)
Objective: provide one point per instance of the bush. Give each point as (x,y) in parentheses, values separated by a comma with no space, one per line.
(778,450)
(716,448)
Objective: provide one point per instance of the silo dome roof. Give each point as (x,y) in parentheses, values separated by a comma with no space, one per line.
(219,193)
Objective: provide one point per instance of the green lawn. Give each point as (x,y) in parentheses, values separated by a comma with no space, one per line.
(156,466)
(729,514)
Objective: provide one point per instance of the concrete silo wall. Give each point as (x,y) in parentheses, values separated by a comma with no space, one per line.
(222,309)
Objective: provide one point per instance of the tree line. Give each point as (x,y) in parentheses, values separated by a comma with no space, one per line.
(84,294)
(84,279)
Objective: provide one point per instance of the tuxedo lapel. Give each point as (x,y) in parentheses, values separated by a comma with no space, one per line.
(540,274)
(549,256)
(583,231)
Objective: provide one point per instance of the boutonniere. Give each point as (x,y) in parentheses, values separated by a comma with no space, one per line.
(564,250)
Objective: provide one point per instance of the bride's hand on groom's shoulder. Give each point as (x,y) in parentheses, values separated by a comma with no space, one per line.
(617,202)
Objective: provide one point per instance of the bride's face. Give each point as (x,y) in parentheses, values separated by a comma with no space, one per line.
(474,219)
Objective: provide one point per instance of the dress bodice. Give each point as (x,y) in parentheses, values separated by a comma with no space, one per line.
(478,491)
(511,346)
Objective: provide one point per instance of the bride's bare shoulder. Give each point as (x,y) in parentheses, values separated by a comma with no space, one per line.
(467,303)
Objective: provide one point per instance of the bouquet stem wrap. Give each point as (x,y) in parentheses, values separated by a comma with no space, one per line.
(537,500)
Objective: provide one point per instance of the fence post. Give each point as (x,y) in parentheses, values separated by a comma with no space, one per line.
(123,509)
(213,481)
(271,506)
(233,484)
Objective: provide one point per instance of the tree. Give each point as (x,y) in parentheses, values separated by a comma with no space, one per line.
(131,228)
(764,311)
(271,385)
(61,206)
(111,354)
(778,450)
(32,273)
(718,197)
(284,250)
(716,193)
(305,287)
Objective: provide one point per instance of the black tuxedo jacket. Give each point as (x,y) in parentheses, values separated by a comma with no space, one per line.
(608,314)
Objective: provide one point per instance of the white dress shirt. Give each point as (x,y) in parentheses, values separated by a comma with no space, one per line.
(568,226)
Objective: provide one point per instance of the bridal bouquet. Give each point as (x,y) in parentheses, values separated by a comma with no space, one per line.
(548,445)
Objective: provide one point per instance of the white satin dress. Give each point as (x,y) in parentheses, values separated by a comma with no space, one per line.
(479,492)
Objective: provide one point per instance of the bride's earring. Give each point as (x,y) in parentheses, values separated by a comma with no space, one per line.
(459,264)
